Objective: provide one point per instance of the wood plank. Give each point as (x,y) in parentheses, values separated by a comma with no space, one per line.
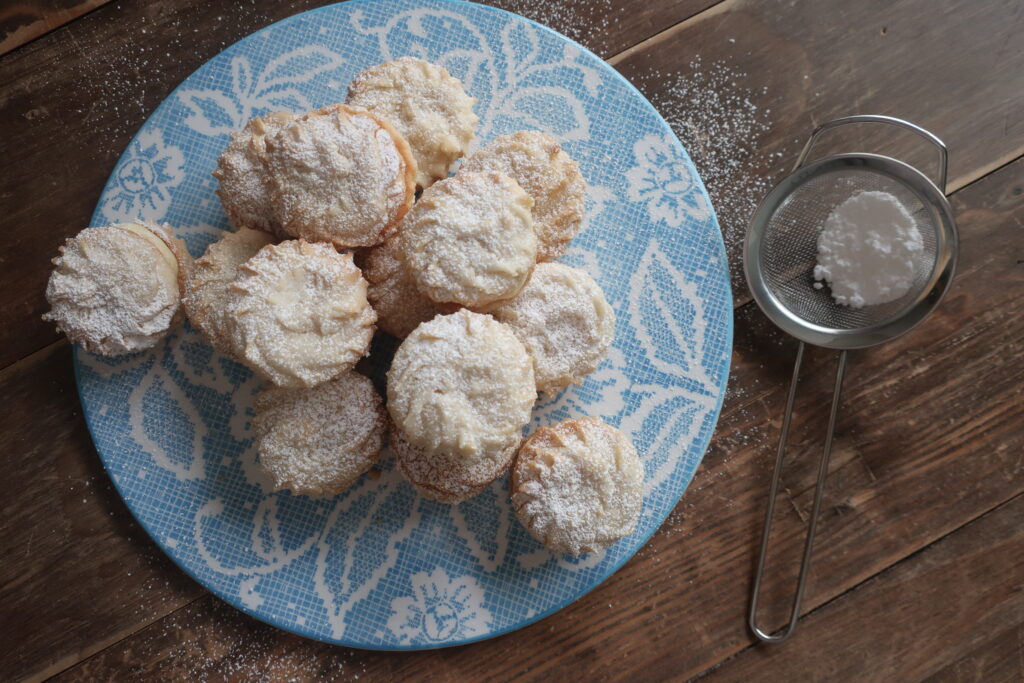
(909,470)
(77,570)
(998,660)
(962,593)
(746,83)
(71,102)
(970,565)
(915,454)
(607,27)
(24,21)
(653,602)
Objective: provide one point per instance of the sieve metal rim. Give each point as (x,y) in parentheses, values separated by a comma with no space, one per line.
(947,239)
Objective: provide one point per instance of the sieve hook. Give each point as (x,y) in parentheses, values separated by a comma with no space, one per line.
(805,563)
(889,120)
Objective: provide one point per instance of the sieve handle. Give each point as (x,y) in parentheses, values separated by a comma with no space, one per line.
(892,121)
(805,564)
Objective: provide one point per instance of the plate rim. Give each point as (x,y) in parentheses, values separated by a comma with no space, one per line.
(235,601)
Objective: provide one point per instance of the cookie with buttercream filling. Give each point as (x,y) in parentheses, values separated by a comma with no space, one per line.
(318,441)
(577,486)
(117,290)
(426,104)
(301,313)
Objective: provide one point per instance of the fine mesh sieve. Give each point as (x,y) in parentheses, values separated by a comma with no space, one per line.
(789,249)
(780,253)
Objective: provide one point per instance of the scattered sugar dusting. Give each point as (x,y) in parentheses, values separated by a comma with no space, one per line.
(585,21)
(160,43)
(210,641)
(714,114)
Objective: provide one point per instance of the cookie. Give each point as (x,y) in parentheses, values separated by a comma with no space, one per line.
(318,441)
(469,240)
(540,166)
(461,384)
(117,290)
(206,292)
(447,477)
(340,175)
(563,320)
(392,291)
(241,171)
(577,486)
(428,107)
(301,314)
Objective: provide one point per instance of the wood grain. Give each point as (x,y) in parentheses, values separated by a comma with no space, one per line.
(70,103)
(77,573)
(24,21)
(760,76)
(607,27)
(935,609)
(908,471)
(997,660)
(930,434)
(972,635)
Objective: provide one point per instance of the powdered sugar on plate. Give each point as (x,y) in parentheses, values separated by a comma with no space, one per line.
(716,118)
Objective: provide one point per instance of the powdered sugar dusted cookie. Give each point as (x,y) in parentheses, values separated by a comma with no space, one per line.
(340,175)
(392,291)
(448,477)
(563,320)
(577,486)
(241,170)
(469,240)
(428,107)
(461,384)
(301,314)
(318,441)
(540,166)
(206,292)
(117,289)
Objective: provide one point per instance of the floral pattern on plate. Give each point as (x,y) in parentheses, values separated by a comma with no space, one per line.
(378,566)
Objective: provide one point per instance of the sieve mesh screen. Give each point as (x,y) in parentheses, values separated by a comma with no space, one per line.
(790,248)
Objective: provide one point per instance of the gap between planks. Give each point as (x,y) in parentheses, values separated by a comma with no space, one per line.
(45,24)
(737,305)
(877,575)
(662,36)
(952,185)
(71,661)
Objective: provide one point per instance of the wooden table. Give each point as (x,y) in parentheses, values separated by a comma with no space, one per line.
(919,564)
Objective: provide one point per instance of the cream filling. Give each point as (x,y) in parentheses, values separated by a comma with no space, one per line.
(154,239)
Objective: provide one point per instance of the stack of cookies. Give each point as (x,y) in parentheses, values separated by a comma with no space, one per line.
(331,244)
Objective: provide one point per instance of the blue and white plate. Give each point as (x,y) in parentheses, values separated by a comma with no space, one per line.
(378,566)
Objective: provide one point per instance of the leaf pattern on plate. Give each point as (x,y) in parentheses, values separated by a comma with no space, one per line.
(669,318)
(167,426)
(359,543)
(240,538)
(220,112)
(483,523)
